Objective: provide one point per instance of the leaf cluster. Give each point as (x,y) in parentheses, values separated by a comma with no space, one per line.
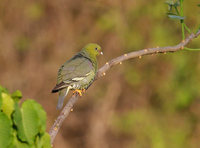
(21,126)
(175,11)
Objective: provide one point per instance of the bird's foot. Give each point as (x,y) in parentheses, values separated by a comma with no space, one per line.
(79,92)
(83,90)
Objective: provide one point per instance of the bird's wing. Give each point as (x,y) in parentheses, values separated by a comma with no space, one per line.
(73,70)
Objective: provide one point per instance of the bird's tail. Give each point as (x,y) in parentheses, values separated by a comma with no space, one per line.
(62,94)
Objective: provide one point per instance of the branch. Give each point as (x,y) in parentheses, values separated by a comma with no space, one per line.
(64,114)
(102,71)
(147,51)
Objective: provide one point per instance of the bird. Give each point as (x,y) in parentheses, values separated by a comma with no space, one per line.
(77,73)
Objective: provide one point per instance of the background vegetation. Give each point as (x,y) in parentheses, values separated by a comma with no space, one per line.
(149,102)
(22,127)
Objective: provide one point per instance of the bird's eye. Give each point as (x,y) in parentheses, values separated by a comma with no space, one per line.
(95,48)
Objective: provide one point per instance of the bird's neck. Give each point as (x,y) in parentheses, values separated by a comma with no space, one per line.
(91,57)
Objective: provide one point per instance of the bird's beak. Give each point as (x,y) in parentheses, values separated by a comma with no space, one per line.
(101,53)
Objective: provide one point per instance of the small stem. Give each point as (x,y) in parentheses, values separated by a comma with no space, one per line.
(181,6)
(183,31)
(191,49)
(182,21)
(188,29)
(197,29)
(177,11)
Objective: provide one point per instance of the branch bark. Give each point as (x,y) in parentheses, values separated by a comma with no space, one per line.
(102,71)
(63,114)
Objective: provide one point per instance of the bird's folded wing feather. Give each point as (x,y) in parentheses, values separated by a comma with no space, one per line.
(75,70)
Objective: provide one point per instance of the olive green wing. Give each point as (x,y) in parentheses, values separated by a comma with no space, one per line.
(74,70)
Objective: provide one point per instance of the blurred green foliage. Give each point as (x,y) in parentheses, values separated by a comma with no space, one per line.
(171,122)
(22,44)
(21,127)
(159,100)
(151,130)
(35,11)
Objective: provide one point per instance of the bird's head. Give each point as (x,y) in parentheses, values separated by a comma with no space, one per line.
(93,49)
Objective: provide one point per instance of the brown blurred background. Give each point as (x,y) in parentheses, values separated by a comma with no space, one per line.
(153,102)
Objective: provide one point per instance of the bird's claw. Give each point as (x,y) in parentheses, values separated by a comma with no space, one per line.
(79,91)
(83,90)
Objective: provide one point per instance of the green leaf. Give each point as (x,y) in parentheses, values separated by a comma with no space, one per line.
(198,5)
(16,143)
(172,3)
(7,104)
(176,17)
(19,144)
(17,117)
(2,89)
(1,102)
(5,130)
(30,120)
(42,117)
(17,95)
(44,141)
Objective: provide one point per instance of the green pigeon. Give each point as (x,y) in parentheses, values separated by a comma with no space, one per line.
(78,73)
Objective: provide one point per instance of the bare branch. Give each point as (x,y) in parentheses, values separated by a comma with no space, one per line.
(64,114)
(143,52)
(101,72)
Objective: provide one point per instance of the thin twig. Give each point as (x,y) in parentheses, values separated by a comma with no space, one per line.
(101,72)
